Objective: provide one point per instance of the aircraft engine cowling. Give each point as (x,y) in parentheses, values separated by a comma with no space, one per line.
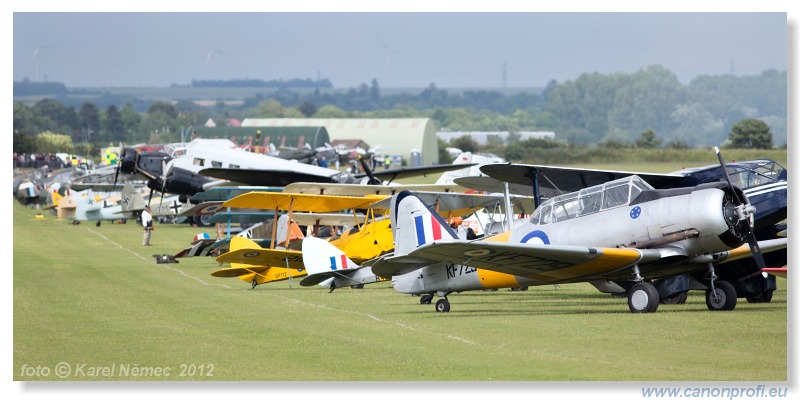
(736,217)
(184,182)
(128,160)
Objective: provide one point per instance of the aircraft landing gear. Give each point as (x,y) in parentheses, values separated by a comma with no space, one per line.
(763,297)
(426,299)
(253,283)
(443,305)
(722,297)
(333,287)
(643,298)
(676,299)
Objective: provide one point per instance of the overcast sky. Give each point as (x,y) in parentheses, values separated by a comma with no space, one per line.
(398,49)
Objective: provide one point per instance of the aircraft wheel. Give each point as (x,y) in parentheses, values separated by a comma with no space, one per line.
(442,305)
(204,220)
(643,298)
(676,299)
(253,283)
(523,288)
(725,298)
(763,297)
(357,286)
(426,299)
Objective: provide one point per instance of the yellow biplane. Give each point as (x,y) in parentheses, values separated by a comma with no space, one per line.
(369,237)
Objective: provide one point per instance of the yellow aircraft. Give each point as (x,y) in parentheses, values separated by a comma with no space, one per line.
(256,265)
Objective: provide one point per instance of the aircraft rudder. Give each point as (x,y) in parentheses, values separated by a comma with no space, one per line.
(320,256)
(415,224)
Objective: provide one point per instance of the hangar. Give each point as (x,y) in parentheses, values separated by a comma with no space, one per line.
(395,136)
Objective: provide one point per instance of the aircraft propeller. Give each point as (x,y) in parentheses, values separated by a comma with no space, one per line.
(119,162)
(372,179)
(743,211)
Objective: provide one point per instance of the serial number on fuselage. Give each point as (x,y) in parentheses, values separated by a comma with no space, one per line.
(454,270)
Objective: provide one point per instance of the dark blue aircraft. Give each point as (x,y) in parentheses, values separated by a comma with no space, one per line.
(764,182)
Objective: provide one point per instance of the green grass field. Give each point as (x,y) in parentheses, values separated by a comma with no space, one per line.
(94,298)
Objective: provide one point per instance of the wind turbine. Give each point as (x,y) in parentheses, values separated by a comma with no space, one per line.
(211,53)
(387,58)
(35,61)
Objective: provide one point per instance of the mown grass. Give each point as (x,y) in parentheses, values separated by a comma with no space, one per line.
(94,295)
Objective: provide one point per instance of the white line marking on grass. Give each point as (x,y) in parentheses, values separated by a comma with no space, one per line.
(377,319)
(151,261)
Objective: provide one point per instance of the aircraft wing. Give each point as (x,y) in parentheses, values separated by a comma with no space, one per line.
(460,204)
(97,187)
(203,208)
(329,219)
(492,185)
(413,172)
(300,202)
(265,257)
(261,177)
(558,180)
(314,279)
(743,251)
(550,263)
(351,189)
(223,193)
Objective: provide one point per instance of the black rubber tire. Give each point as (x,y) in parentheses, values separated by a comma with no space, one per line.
(725,299)
(425,299)
(762,298)
(643,298)
(676,299)
(442,305)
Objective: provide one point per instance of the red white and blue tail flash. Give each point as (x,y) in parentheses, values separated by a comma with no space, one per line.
(428,229)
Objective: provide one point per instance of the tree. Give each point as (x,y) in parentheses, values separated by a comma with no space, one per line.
(114,126)
(90,120)
(307,108)
(465,143)
(648,140)
(750,133)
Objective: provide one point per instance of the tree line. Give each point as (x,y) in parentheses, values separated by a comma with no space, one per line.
(648,108)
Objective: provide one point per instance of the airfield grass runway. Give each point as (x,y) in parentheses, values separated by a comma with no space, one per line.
(92,300)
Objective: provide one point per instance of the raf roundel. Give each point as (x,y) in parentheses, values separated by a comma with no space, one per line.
(636,212)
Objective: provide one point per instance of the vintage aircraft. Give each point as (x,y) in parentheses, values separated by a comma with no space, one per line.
(764,182)
(364,241)
(85,206)
(189,168)
(655,234)
(328,265)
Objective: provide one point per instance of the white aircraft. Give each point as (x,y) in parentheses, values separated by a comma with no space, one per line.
(623,231)
(190,168)
(85,206)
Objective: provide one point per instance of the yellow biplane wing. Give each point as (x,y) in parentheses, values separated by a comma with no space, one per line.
(301,202)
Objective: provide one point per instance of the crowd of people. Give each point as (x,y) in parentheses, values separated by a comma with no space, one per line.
(24,160)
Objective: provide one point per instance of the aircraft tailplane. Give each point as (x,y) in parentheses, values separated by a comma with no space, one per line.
(414,224)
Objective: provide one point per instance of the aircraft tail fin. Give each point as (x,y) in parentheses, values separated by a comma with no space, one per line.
(55,198)
(414,224)
(320,256)
(132,199)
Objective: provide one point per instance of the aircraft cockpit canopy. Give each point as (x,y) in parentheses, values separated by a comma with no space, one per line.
(756,173)
(590,200)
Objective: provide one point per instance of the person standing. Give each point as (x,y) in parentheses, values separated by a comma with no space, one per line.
(147,223)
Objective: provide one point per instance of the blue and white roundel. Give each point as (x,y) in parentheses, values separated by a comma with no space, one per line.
(536,238)
(636,212)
